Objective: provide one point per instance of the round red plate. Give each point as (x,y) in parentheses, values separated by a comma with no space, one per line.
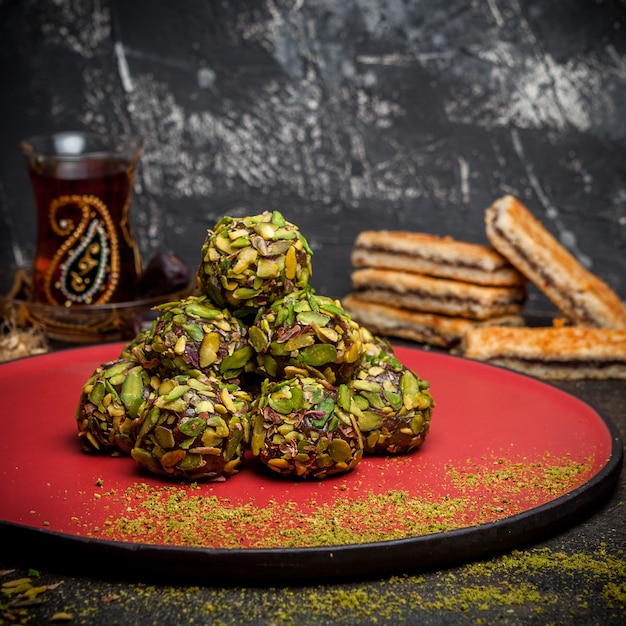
(497,441)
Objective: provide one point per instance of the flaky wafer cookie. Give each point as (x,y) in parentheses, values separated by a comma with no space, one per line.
(443,257)
(436,330)
(436,295)
(523,240)
(565,353)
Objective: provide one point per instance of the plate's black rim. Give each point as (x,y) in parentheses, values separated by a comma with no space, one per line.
(293,566)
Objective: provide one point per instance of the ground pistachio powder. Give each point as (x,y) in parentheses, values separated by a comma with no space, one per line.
(183,515)
(538,585)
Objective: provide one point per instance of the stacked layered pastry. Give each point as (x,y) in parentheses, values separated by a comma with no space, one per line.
(589,341)
(431,289)
(470,297)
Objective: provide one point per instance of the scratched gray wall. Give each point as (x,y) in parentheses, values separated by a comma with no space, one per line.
(343,115)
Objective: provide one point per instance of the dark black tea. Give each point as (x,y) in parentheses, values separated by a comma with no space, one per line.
(86,249)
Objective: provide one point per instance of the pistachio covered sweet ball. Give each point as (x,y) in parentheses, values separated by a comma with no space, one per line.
(251,261)
(302,427)
(193,428)
(393,406)
(308,334)
(194,334)
(111,398)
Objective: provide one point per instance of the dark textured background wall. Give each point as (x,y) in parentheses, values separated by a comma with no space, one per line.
(343,115)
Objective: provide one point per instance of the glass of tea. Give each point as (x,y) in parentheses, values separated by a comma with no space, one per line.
(86,248)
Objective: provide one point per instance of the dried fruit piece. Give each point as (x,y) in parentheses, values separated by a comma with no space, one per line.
(308,333)
(194,427)
(165,273)
(111,399)
(300,428)
(251,261)
(393,405)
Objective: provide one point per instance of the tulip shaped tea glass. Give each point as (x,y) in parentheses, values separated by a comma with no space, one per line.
(86,250)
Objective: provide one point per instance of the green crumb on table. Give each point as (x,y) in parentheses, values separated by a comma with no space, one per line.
(538,585)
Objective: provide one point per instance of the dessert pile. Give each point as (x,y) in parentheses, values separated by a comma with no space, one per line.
(255,361)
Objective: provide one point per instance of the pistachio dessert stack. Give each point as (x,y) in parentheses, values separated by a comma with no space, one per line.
(256,361)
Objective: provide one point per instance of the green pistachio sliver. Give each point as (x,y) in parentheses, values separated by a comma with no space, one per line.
(211,439)
(284,233)
(165,437)
(245,293)
(233,446)
(328,406)
(237,233)
(258,339)
(241,242)
(327,306)
(116,380)
(143,457)
(176,406)
(408,384)
(369,421)
(185,444)
(132,392)
(237,360)
(149,422)
(423,400)
(312,318)
(223,244)
(319,354)
(270,364)
(361,402)
(265,229)
(246,257)
(375,399)
(257,440)
(194,331)
(278,349)
(97,393)
(343,397)
(116,369)
(198,385)
(220,426)
(205,406)
(207,354)
(327,334)
(366,385)
(278,219)
(394,399)
(298,342)
(344,416)
(285,315)
(268,268)
(297,398)
(339,450)
(190,461)
(177,392)
(281,404)
(157,344)
(278,249)
(204,311)
(192,427)
(417,423)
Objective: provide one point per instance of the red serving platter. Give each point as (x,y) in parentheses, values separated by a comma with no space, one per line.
(55,500)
